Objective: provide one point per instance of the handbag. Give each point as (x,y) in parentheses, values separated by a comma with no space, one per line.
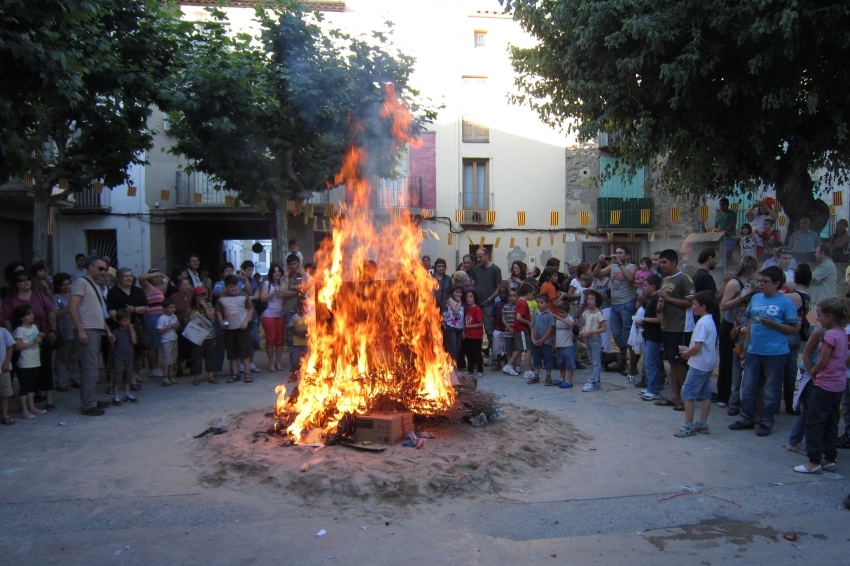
(143,337)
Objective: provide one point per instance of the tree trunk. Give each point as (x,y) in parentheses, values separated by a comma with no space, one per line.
(40,210)
(794,189)
(280,246)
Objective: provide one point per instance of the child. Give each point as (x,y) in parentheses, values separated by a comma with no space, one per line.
(594,326)
(651,324)
(542,331)
(28,339)
(167,327)
(203,355)
(636,345)
(564,349)
(769,236)
(508,319)
(234,311)
(700,356)
(453,318)
(804,397)
(586,283)
(522,329)
(122,357)
(748,242)
(644,271)
(473,334)
(298,324)
(499,329)
(739,336)
(7,344)
(550,287)
(829,380)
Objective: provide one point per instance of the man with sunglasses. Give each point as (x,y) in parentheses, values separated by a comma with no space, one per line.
(773,317)
(88,313)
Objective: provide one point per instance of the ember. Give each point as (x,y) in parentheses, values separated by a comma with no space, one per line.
(376,330)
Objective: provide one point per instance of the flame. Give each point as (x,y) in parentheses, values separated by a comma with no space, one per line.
(376,330)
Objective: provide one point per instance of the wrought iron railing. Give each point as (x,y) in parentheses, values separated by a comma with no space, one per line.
(625,213)
(88,198)
(200,189)
(403,192)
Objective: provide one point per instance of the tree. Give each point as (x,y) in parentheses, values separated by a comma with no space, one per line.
(271,116)
(719,96)
(79,78)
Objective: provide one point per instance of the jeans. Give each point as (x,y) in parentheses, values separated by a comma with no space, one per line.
(471,350)
(89,367)
(204,355)
(651,361)
(724,370)
(822,419)
(845,405)
(220,350)
(798,433)
(791,371)
(605,337)
(488,329)
(254,328)
(453,339)
(621,323)
(737,377)
(66,364)
(762,370)
(594,352)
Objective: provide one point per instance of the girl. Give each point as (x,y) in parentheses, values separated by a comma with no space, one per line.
(66,362)
(829,379)
(453,317)
(203,355)
(28,339)
(473,334)
(518,275)
(550,288)
(594,326)
(272,316)
(644,271)
(748,242)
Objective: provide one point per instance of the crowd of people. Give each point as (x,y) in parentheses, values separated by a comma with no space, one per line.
(59,331)
(772,331)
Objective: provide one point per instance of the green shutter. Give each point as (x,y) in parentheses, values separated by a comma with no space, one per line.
(616,186)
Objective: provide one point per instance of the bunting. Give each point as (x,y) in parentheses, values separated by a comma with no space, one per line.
(520,218)
(450,238)
(458,216)
(645,215)
(97,188)
(468,237)
(610,236)
(131,190)
(539,240)
(329,209)
(783,220)
(527,245)
(512,243)
(832,210)
(496,244)
(675,213)
(631,236)
(197,198)
(63,184)
(29,179)
(615,217)
(838,198)
(666,235)
(734,207)
(481,242)
(164,195)
(777,206)
(555,218)
(651,236)
(229,200)
(309,209)
(491,217)
(551,239)
(585,217)
(703,212)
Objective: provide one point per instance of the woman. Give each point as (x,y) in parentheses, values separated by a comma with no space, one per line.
(183,300)
(840,242)
(45,319)
(66,360)
(272,317)
(126,295)
(9,273)
(177,273)
(204,272)
(734,293)
(153,287)
(518,275)
(203,354)
(603,285)
(40,280)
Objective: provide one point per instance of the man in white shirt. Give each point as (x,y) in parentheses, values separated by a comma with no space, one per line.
(193,262)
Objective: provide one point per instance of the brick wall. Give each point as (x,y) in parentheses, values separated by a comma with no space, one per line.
(423,163)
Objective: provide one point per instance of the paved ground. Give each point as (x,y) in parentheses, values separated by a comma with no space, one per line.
(122,489)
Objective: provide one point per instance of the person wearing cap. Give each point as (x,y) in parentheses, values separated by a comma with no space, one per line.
(125,295)
(778,251)
(203,355)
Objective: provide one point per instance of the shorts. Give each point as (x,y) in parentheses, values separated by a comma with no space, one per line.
(237,343)
(122,371)
(6,390)
(26,380)
(522,341)
(167,353)
(508,340)
(697,385)
(541,356)
(274,331)
(672,341)
(152,320)
(565,357)
(498,343)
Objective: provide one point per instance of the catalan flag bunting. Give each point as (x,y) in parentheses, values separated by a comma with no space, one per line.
(783,220)
(610,236)
(164,195)
(832,209)
(491,217)
(615,217)
(471,242)
(520,218)
(703,212)
(565,238)
(308,210)
(63,184)
(29,179)
(131,190)
(324,224)
(450,238)
(526,242)
(734,207)
(838,198)
(49,223)
(666,235)
(97,188)
(551,239)
(539,240)
(777,206)
(496,245)
(197,198)
(513,241)
(481,242)
(645,215)
(229,200)
(585,217)
(675,214)
(315,223)
(631,236)
(651,236)
(458,216)
(555,218)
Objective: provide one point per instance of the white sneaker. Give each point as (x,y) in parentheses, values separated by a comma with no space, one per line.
(528,375)
(479,375)
(509,370)
(254,369)
(590,386)
(241,368)
(155,373)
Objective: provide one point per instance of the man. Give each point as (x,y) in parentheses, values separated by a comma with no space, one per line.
(703,281)
(571,268)
(824,276)
(677,322)
(297,282)
(805,242)
(88,313)
(444,284)
(784,258)
(487,278)
(772,318)
(622,274)
(778,250)
(467,266)
(110,270)
(79,270)
(562,279)
(193,263)
(726,221)
(426,263)
(252,289)
(293,250)
(656,258)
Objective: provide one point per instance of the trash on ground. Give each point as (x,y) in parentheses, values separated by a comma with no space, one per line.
(365,528)
(688,489)
(779,484)
(480,420)
(789,536)
(63,423)
(321,533)
(120,550)
(423,434)
(662,473)
(307,465)
(212,430)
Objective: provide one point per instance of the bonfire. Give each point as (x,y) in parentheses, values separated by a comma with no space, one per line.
(375,337)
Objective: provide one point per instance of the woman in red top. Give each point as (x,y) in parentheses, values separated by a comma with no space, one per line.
(473,333)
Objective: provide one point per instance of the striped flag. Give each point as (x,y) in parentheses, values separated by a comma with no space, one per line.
(675,213)
(734,207)
(832,209)
(458,216)
(63,184)
(520,218)
(496,245)
(777,206)
(197,198)
(651,236)
(229,200)
(29,179)
(491,217)
(471,242)
(615,217)
(526,242)
(450,238)
(512,243)
(131,190)
(97,188)
(539,239)
(555,218)
(551,239)
(666,235)
(49,223)
(703,212)
(783,220)
(308,210)
(324,224)
(585,218)
(838,198)
(631,236)
(164,195)
(610,236)
(481,243)
(645,215)
(315,223)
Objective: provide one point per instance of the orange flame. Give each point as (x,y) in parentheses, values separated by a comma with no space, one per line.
(376,330)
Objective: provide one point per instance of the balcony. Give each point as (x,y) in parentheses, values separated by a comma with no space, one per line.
(403,192)
(476,211)
(474,131)
(634,213)
(609,141)
(199,189)
(90,202)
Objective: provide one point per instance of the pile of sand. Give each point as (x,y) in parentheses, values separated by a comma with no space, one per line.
(462,461)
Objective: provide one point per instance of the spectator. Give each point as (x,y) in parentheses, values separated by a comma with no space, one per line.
(40,279)
(840,242)
(453,318)
(66,358)
(622,272)
(805,242)
(747,240)
(122,357)
(182,301)
(252,289)
(167,327)
(272,316)
(772,318)
(79,270)
(178,272)
(129,297)
(203,355)
(426,263)
(786,266)
(153,286)
(109,269)
(769,236)
(486,278)
(293,250)
(467,265)
(757,214)
(7,343)
(824,276)
(703,281)
(677,323)
(234,311)
(560,285)
(726,221)
(299,336)
(517,276)
(10,273)
(735,293)
(700,356)
(193,264)
(88,312)
(296,282)
(444,284)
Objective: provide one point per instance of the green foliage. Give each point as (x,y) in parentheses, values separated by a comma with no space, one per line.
(731,94)
(271,116)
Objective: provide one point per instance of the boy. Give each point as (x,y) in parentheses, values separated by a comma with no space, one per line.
(298,323)
(234,311)
(700,357)
(7,344)
(542,329)
(167,327)
(499,329)
(522,329)
(122,357)
(769,236)
(677,323)
(508,318)
(652,340)
(564,349)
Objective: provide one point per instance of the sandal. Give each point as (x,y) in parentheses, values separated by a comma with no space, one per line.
(844,441)
(63,389)
(248,379)
(110,390)
(135,387)
(272,369)
(679,407)
(7,420)
(196,381)
(213,380)
(233,379)
(828,466)
(665,403)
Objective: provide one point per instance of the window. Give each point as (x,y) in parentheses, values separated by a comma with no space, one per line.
(103,243)
(475,124)
(480,39)
(475,182)
(616,186)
